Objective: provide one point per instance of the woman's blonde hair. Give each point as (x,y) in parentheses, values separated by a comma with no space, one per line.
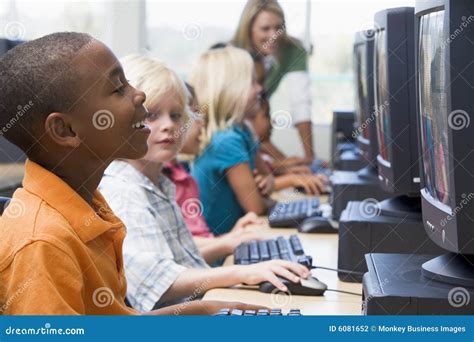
(222,80)
(155,79)
(242,37)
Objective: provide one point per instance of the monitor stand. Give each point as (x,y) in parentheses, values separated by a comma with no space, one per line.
(354,186)
(394,225)
(451,268)
(395,285)
(402,207)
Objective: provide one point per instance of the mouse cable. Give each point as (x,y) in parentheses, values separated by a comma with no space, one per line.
(347,292)
(338,270)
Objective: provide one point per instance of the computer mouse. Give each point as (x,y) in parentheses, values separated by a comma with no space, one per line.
(316,224)
(307,287)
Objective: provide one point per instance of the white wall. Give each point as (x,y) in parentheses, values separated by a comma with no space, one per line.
(126,26)
(289,142)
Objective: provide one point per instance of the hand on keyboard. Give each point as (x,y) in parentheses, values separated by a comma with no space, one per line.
(261,312)
(265,183)
(270,271)
(236,237)
(310,184)
(203,307)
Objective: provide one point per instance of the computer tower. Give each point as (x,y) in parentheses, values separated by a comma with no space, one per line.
(364,228)
(354,186)
(350,160)
(342,136)
(395,285)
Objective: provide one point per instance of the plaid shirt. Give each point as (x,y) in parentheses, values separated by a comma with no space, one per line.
(158,245)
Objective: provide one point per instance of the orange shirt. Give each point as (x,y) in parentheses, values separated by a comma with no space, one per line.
(59,256)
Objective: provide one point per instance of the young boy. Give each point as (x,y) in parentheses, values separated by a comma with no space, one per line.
(61,250)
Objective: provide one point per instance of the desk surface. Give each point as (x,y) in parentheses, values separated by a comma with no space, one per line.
(323,249)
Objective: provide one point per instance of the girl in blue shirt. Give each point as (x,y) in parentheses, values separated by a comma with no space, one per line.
(226,89)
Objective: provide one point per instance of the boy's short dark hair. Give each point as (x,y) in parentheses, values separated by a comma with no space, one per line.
(37,78)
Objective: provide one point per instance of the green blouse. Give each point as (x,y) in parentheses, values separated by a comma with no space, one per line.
(292,56)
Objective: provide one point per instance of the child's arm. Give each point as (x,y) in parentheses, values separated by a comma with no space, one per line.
(197,281)
(281,162)
(212,249)
(269,148)
(264,180)
(242,182)
(312,184)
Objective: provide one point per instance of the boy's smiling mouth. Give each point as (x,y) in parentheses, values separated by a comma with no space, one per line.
(141,126)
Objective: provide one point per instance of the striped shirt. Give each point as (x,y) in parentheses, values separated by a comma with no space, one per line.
(158,246)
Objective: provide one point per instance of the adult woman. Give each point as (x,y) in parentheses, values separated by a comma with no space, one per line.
(262,32)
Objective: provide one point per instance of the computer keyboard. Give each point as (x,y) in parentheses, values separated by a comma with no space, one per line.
(261,312)
(289,249)
(291,214)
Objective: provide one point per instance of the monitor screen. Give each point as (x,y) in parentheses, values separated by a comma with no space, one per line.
(360,63)
(381,94)
(433,105)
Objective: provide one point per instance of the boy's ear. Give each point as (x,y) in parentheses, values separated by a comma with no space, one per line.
(59,129)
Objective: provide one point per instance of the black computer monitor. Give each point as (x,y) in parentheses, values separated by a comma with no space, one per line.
(395,101)
(445,68)
(365,113)
(7,44)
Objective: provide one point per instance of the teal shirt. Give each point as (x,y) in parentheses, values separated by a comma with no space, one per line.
(227,148)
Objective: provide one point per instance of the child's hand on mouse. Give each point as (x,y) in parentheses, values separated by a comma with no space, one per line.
(265,183)
(270,271)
